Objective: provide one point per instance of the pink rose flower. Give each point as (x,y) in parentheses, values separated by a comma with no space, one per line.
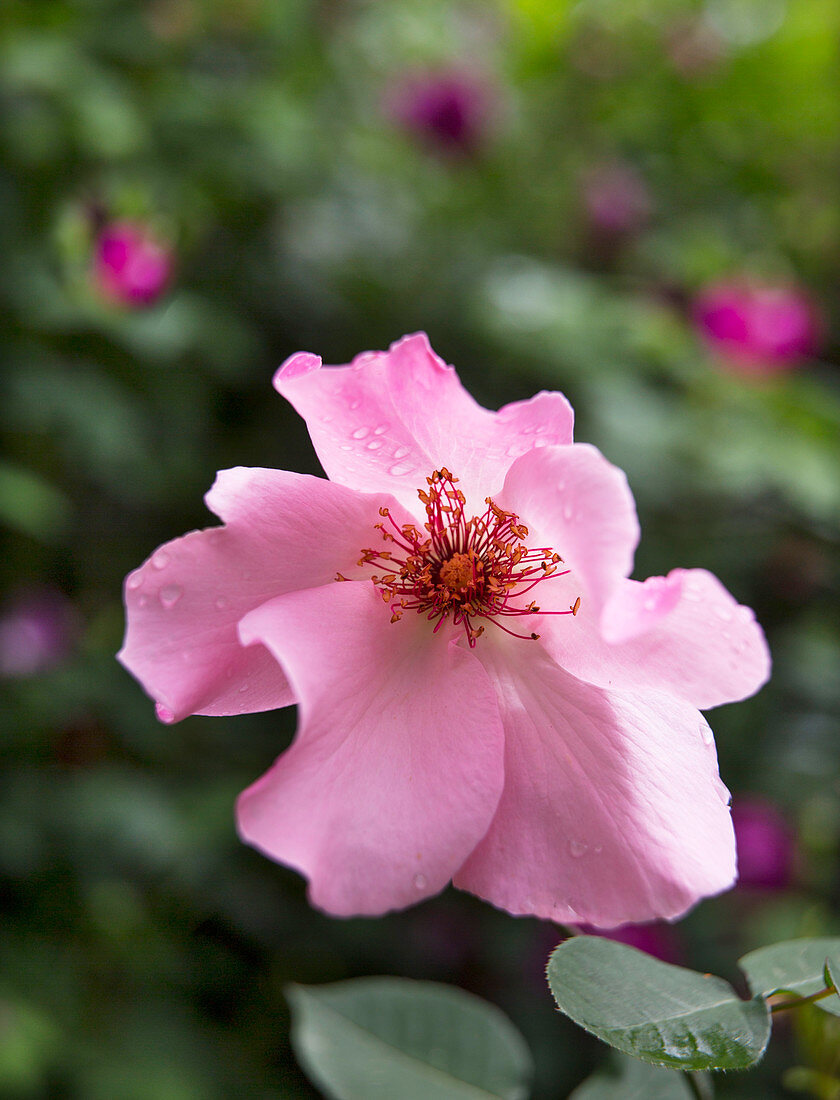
(483,694)
(758,329)
(130,267)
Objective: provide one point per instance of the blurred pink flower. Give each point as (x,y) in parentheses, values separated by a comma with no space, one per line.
(616,200)
(766,853)
(483,694)
(757,328)
(654,938)
(37,629)
(130,266)
(449,110)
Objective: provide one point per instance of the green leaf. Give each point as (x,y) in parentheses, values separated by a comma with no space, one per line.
(796,967)
(657,1012)
(379,1038)
(626,1078)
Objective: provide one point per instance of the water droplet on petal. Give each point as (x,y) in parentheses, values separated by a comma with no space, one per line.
(374,445)
(360,433)
(221,603)
(400,469)
(421,882)
(724,614)
(598,849)
(243,688)
(170,594)
(164,714)
(380,429)
(143,601)
(134,581)
(577,848)
(354,404)
(568,512)
(161,559)
(401,452)
(706,733)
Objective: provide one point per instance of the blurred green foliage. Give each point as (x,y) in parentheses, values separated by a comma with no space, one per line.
(144,949)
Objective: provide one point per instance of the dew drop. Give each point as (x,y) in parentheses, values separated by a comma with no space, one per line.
(598,849)
(577,848)
(401,452)
(143,601)
(724,614)
(513,451)
(706,733)
(164,714)
(374,444)
(568,512)
(221,603)
(400,469)
(354,404)
(160,560)
(134,581)
(527,429)
(360,433)
(346,447)
(327,419)
(243,688)
(170,594)
(420,882)
(380,429)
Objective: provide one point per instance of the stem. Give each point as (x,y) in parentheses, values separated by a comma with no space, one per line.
(698,1085)
(797,1001)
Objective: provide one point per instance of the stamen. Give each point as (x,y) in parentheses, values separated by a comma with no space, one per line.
(458,569)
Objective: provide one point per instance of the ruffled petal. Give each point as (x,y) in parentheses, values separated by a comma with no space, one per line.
(576,503)
(683,634)
(396,769)
(390,418)
(612,811)
(283,531)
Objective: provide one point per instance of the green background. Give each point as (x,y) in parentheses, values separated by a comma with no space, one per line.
(143,950)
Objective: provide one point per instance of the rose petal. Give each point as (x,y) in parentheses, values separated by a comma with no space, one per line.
(284,531)
(707,649)
(576,503)
(390,418)
(397,766)
(612,809)
(636,607)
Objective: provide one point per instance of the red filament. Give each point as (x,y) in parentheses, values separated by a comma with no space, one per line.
(460,569)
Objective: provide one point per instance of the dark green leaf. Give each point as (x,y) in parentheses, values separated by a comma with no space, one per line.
(626,1078)
(380,1038)
(796,967)
(654,1011)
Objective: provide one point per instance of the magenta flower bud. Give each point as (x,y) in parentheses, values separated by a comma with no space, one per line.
(36,632)
(448,111)
(757,328)
(616,200)
(130,266)
(657,938)
(765,845)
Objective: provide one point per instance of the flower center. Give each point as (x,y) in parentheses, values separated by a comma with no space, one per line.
(458,569)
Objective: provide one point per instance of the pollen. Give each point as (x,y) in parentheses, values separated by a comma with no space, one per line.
(461,570)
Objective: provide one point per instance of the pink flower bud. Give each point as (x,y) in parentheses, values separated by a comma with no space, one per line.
(757,328)
(447,110)
(616,200)
(130,267)
(765,845)
(36,632)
